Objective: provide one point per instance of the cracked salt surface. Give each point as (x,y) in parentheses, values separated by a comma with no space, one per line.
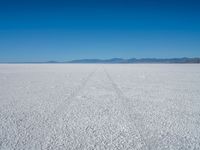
(94,106)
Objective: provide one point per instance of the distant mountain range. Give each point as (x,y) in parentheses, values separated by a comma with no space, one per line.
(135,60)
(127,61)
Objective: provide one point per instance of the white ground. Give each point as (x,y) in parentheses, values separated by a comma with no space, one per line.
(79,106)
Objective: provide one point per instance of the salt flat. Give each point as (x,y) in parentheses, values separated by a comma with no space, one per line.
(100,106)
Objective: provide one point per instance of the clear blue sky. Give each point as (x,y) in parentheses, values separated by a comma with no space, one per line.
(42,30)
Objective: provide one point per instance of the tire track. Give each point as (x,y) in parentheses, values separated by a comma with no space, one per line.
(124,102)
(74,93)
(52,120)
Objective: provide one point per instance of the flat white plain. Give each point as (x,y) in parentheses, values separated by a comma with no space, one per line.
(99,106)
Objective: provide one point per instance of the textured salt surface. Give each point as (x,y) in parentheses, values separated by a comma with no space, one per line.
(88,106)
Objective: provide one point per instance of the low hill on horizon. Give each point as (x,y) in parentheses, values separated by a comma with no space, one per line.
(122,61)
(141,60)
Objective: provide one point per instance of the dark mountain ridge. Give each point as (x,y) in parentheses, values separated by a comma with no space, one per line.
(124,61)
(141,60)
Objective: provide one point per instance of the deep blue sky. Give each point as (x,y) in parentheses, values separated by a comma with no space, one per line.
(41,30)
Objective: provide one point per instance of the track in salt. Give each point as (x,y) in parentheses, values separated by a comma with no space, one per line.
(126,108)
(55,115)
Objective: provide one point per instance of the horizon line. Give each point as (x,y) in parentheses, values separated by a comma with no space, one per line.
(100,59)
